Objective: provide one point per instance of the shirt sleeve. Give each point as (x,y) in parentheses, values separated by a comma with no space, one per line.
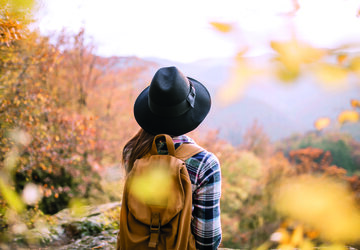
(206,225)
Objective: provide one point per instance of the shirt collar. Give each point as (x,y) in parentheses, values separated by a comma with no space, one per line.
(182,139)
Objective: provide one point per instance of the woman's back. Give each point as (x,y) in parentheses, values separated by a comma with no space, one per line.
(175,105)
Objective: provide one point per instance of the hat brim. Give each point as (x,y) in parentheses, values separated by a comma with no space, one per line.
(174,126)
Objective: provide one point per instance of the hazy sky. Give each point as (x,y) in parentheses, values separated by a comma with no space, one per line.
(180,30)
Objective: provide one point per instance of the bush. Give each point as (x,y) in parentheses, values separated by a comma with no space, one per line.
(341,147)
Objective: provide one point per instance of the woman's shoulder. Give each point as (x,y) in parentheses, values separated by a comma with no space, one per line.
(204,157)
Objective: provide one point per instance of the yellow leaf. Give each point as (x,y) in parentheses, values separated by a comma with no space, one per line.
(152,186)
(307,245)
(11,197)
(348,116)
(355,65)
(292,54)
(21,4)
(78,207)
(322,204)
(286,247)
(286,75)
(331,75)
(322,123)
(222,27)
(297,236)
(334,247)
(239,78)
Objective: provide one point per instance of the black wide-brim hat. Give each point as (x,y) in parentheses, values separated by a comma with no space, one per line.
(173,104)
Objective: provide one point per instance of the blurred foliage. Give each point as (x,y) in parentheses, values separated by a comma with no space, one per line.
(14,16)
(249,213)
(293,59)
(63,116)
(59,140)
(315,217)
(153,186)
(314,201)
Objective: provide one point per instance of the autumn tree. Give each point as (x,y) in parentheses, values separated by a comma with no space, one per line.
(54,156)
(77,70)
(256,140)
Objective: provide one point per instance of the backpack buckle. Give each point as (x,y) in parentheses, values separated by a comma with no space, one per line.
(155,223)
(154,230)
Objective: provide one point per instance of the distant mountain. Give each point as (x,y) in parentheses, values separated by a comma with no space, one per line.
(234,120)
(282,109)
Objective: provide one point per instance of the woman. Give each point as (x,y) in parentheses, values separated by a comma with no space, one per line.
(175,105)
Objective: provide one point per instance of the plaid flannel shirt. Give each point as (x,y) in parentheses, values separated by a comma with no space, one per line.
(205,175)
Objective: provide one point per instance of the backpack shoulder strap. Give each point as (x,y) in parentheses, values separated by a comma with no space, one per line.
(186,150)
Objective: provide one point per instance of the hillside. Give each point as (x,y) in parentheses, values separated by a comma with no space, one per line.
(282,109)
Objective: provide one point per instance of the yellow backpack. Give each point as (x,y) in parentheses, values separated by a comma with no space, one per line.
(160,219)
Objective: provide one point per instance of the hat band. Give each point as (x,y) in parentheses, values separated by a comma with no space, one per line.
(175,110)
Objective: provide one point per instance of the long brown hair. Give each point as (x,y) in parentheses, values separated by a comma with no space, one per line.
(136,148)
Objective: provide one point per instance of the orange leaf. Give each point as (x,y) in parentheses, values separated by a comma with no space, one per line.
(355,103)
(341,58)
(312,234)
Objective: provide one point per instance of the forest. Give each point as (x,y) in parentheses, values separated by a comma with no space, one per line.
(66,113)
